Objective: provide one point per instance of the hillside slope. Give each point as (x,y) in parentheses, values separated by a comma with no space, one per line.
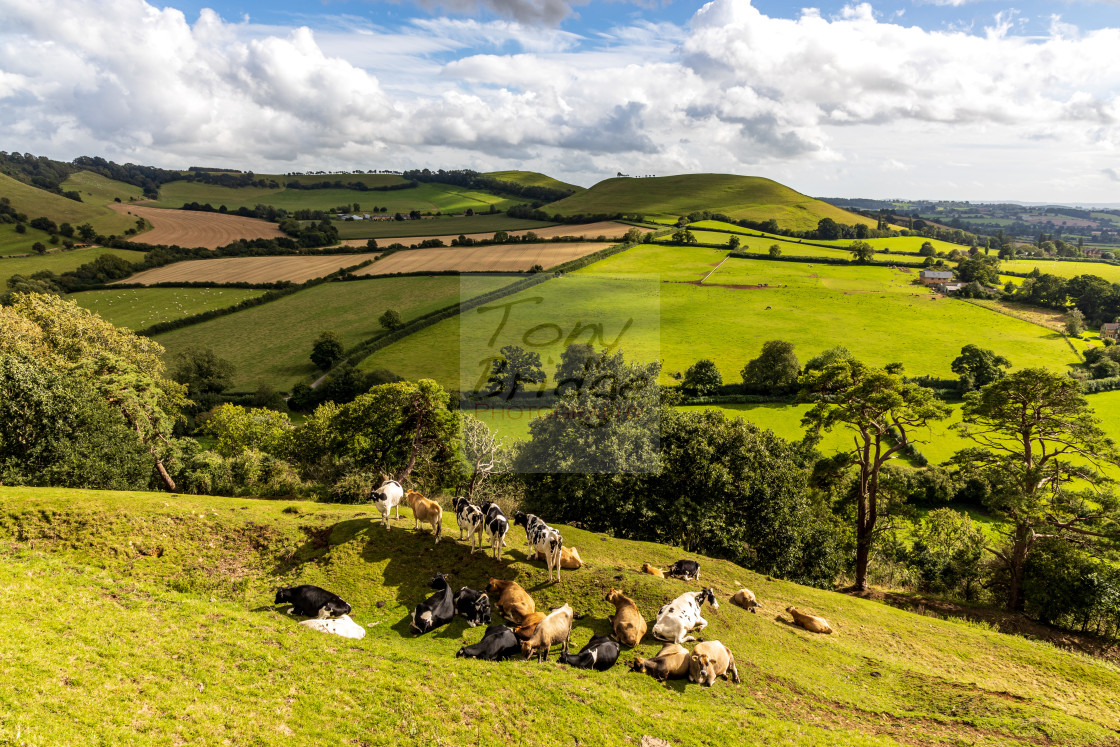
(750,197)
(533,179)
(154,624)
(36,202)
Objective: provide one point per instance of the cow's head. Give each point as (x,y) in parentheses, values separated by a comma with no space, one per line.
(702,669)
(283,594)
(521,519)
(709,596)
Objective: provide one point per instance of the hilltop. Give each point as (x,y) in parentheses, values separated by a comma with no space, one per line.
(154,624)
(533,179)
(740,197)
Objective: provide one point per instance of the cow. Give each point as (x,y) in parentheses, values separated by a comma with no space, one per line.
(647,568)
(599,654)
(528,625)
(679,617)
(745,598)
(686,570)
(426,511)
(343,626)
(812,623)
(473,605)
(555,628)
(542,538)
(470,519)
(386,497)
(514,603)
(498,644)
(709,660)
(311,601)
(496,525)
(435,612)
(627,622)
(671,662)
(569,558)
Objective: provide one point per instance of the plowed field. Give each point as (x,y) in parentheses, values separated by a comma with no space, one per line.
(249,269)
(501,258)
(192,228)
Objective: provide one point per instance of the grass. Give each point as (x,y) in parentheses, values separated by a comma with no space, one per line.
(876,312)
(739,197)
(1111,273)
(137,308)
(154,625)
(896,243)
(59,262)
(532,179)
(444,225)
(37,202)
(271,343)
(20,243)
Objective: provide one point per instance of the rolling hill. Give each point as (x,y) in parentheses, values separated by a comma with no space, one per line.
(749,197)
(533,179)
(36,202)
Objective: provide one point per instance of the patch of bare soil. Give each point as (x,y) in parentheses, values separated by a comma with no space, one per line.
(191,228)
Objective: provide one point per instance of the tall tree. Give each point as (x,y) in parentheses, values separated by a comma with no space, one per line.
(862,251)
(326,350)
(1036,435)
(512,370)
(884,413)
(977,367)
(774,370)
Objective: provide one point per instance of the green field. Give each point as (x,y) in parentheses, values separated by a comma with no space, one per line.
(37,202)
(532,179)
(426,197)
(137,308)
(12,242)
(739,197)
(876,312)
(271,343)
(895,243)
(370,180)
(99,190)
(1111,273)
(59,262)
(154,624)
(442,226)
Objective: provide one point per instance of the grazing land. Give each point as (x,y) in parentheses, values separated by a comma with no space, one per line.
(178,596)
(37,202)
(1065,269)
(96,189)
(532,179)
(446,225)
(60,261)
(271,343)
(587,231)
(739,197)
(497,258)
(138,308)
(195,228)
(297,269)
(12,242)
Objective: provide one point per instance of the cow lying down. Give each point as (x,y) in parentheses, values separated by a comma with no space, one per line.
(311,601)
(436,611)
(498,644)
(343,626)
(599,654)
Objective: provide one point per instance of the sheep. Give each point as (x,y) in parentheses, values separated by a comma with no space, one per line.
(812,623)
(569,558)
(426,511)
(711,659)
(627,622)
(556,628)
(671,662)
(514,603)
(745,598)
(647,568)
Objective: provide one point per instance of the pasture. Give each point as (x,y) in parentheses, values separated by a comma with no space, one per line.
(895,243)
(739,197)
(497,258)
(271,343)
(532,179)
(1064,269)
(444,225)
(37,202)
(138,308)
(191,228)
(12,242)
(588,231)
(60,261)
(96,189)
(185,614)
(876,312)
(296,269)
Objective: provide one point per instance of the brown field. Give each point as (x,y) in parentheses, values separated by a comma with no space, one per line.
(249,269)
(586,231)
(500,258)
(191,228)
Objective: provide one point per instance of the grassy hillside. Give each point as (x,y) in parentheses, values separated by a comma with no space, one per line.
(533,179)
(36,202)
(154,625)
(137,308)
(739,197)
(59,262)
(96,189)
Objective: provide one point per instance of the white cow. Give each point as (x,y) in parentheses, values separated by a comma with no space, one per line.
(387,497)
(343,626)
(679,617)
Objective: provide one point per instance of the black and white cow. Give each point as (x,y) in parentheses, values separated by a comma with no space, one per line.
(686,570)
(543,539)
(435,612)
(599,654)
(679,617)
(386,497)
(470,519)
(473,605)
(311,601)
(496,525)
(498,644)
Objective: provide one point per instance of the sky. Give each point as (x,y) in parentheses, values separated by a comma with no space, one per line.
(920,99)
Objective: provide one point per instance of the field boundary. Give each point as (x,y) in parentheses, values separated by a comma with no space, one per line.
(1065,337)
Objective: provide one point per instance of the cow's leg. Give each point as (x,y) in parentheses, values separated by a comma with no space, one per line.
(734,671)
(700,625)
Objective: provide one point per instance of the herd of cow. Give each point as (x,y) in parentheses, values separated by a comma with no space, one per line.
(532,632)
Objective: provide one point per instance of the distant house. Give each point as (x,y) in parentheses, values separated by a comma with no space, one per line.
(1110,331)
(951,287)
(935,277)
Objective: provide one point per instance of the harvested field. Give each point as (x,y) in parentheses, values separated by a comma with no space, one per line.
(192,228)
(297,269)
(587,231)
(500,258)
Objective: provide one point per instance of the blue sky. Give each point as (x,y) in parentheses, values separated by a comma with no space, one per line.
(901,98)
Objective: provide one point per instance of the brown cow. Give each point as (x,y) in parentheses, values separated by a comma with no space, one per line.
(425,511)
(628,624)
(647,568)
(569,558)
(711,659)
(514,603)
(556,628)
(812,623)
(745,598)
(528,625)
(671,662)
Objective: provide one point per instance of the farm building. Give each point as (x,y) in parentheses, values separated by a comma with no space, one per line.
(1110,331)
(935,277)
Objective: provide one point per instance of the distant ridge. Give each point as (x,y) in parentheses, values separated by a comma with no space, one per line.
(534,179)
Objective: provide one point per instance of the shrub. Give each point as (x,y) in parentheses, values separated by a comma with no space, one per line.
(353,487)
